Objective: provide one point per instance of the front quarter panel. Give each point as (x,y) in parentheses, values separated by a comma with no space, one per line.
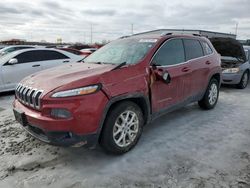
(125,80)
(245,66)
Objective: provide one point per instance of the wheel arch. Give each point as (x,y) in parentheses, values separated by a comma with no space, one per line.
(140,99)
(216,76)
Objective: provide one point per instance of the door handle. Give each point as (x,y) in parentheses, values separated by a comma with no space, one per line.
(208,62)
(66,61)
(185,69)
(36,65)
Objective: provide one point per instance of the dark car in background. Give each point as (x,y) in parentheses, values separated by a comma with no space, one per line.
(73,51)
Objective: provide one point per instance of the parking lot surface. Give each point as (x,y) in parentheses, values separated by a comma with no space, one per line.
(186,148)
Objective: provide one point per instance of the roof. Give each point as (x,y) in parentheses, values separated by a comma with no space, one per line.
(208,34)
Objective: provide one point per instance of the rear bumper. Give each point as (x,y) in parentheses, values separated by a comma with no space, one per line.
(231,78)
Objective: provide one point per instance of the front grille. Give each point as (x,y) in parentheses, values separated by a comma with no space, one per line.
(29,96)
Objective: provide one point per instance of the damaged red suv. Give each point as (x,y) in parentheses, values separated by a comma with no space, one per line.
(117,90)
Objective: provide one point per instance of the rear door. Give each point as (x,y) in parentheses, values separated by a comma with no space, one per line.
(198,54)
(170,58)
(53,58)
(28,63)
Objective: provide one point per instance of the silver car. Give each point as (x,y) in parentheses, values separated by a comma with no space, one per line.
(19,64)
(234,63)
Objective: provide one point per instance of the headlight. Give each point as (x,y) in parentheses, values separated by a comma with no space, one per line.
(78,91)
(231,70)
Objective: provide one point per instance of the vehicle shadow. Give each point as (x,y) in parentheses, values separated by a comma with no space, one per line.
(159,129)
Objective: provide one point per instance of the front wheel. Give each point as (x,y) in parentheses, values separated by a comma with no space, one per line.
(211,96)
(122,128)
(244,81)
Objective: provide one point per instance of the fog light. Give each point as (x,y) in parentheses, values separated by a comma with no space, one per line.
(60,113)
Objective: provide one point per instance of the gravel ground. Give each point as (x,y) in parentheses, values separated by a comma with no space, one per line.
(189,148)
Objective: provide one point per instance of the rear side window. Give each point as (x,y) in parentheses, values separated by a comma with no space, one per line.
(39,55)
(171,53)
(207,48)
(51,55)
(193,49)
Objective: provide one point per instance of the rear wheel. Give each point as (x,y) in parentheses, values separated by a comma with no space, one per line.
(244,81)
(211,96)
(122,128)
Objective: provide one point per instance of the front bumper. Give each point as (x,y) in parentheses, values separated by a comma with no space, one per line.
(80,129)
(64,139)
(231,78)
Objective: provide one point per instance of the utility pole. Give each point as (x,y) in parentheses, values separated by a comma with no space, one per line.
(236,28)
(91,33)
(84,37)
(132,29)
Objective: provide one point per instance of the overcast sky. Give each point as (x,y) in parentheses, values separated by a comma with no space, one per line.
(71,20)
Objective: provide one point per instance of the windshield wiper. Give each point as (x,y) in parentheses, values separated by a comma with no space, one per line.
(120,65)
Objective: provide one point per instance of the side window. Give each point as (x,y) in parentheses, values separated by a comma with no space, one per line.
(39,55)
(193,49)
(171,53)
(51,55)
(27,57)
(207,49)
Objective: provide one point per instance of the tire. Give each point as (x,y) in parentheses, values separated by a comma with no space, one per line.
(120,140)
(211,96)
(244,81)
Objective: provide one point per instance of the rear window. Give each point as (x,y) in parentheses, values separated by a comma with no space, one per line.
(71,51)
(193,49)
(207,48)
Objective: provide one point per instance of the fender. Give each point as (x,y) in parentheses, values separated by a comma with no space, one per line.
(113,100)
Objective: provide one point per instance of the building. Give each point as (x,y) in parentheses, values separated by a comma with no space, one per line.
(208,34)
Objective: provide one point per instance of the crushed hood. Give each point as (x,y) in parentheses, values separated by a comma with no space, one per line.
(229,47)
(53,78)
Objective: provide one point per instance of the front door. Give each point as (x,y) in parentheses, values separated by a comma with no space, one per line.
(13,74)
(170,59)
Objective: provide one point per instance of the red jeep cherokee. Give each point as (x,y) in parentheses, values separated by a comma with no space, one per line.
(117,90)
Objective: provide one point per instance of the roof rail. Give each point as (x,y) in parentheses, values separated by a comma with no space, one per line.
(123,37)
(197,35)
(180,33)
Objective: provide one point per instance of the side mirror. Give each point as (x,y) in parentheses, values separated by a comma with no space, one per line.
(162,75)
(166,77)
(13,61)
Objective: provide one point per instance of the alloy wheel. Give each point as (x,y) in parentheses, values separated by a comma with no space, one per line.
(213,94)
(126,128)
(245,80)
